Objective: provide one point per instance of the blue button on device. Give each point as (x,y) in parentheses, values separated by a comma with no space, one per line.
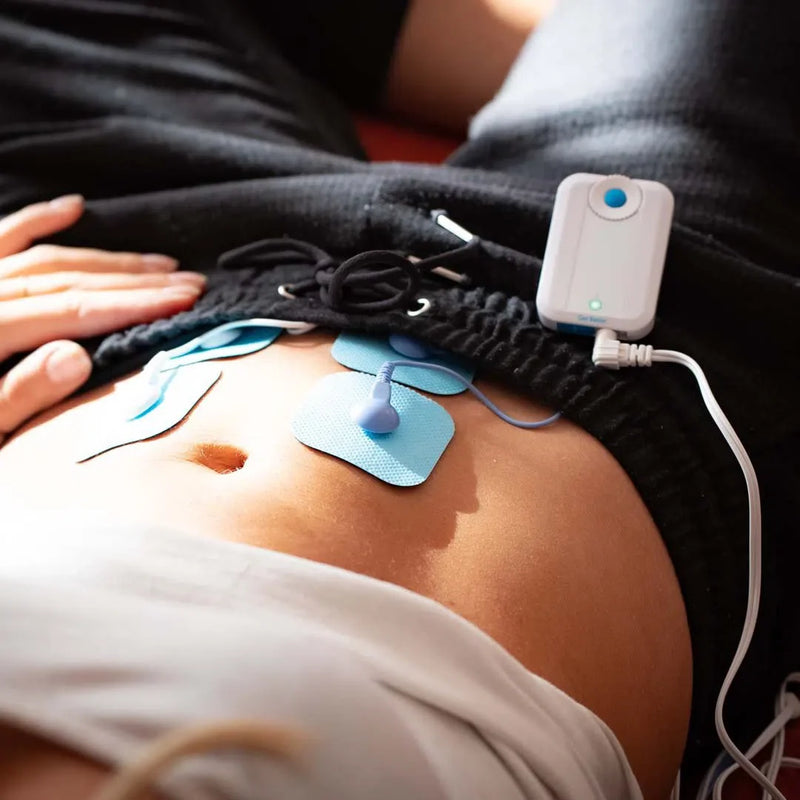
(615,198)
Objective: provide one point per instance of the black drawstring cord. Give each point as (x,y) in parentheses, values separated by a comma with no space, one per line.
(267,253)
(376,280)
(355,285)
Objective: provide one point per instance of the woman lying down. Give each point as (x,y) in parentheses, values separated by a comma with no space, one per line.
(469,637)
(222,608)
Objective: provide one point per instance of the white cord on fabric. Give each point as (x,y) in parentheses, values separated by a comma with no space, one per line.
(789,761)
(609,352)
(130,780)
(787,707)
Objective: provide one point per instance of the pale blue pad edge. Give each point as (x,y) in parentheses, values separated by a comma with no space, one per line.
(405,457)
(368,354)
(186,388)
(249,340)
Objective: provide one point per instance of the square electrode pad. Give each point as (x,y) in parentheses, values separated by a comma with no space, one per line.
(404,457)
(369,353)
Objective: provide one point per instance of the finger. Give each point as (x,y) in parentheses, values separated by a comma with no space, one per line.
(19,229)
(31,286)
(53,258)
(32,321)
(39,381)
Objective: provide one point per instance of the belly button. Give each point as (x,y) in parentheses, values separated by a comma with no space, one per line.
(222,458)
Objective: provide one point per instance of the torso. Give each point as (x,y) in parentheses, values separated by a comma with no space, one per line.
(537,537)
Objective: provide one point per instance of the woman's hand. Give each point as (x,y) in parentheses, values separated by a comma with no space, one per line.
(49,294)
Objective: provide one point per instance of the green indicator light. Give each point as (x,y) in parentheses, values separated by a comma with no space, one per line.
(595,305)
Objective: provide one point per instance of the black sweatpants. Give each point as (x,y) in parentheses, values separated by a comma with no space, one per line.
(195,127)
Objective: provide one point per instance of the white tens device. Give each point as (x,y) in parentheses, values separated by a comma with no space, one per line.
(605,255)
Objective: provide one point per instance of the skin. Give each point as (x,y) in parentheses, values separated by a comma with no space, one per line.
(452,56)
(537,537)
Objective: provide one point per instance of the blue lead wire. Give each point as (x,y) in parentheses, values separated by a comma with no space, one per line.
(385,374)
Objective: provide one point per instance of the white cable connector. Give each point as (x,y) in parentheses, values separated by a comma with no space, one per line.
(611,353)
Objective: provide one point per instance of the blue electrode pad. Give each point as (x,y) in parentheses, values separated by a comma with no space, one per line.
(183,389)
(404,457)
(368,354)
(248,340)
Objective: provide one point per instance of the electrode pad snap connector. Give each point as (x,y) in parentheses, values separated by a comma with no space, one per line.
(369,354)
(149,387)
(404,457)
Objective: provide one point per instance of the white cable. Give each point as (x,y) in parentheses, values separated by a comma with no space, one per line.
(675,794)
(787,707)
(609,352)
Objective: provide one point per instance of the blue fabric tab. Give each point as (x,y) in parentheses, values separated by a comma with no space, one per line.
(405,457)
(368,354)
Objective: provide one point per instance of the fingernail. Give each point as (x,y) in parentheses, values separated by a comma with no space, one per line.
(67,364)
(189,278)
(67,202)
(155,262)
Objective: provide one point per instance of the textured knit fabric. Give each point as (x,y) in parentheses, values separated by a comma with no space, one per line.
(190,139)
(399,697)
